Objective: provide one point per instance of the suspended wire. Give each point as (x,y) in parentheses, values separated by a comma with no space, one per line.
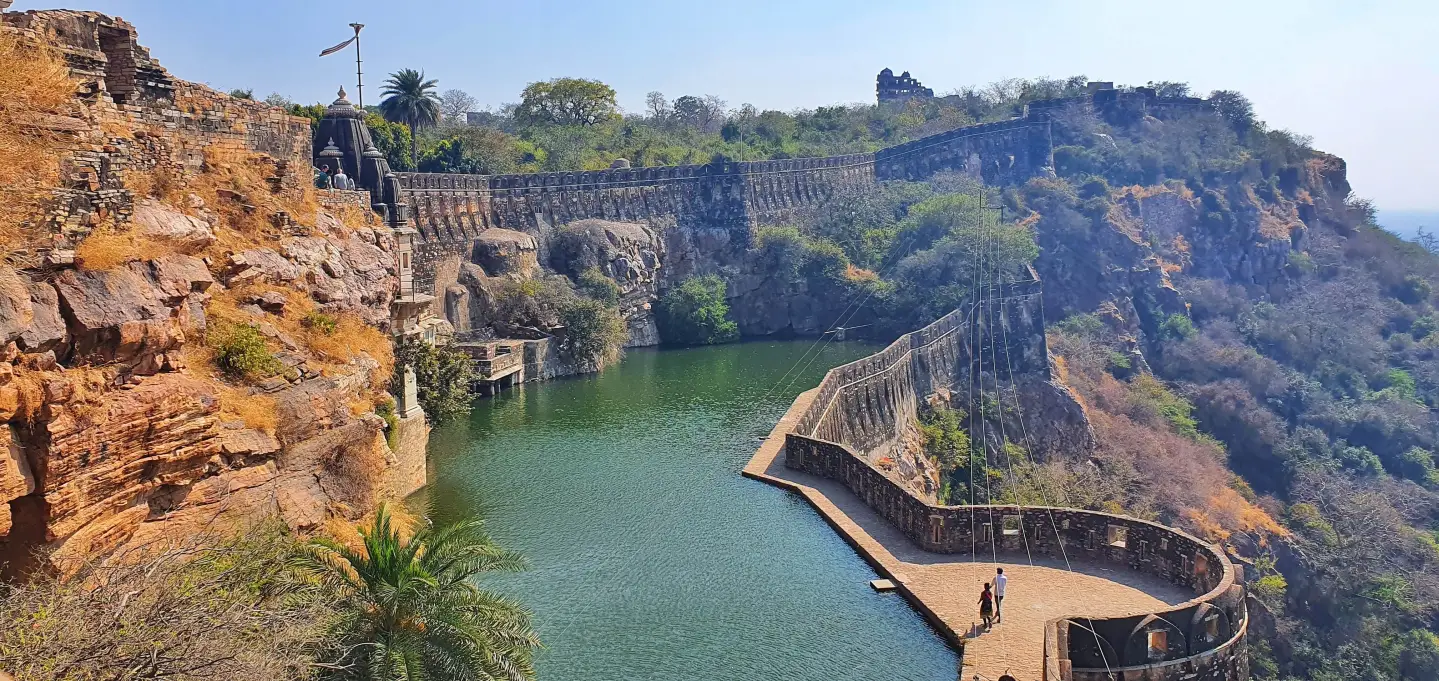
(1043,494)
(998,386)
(829,336)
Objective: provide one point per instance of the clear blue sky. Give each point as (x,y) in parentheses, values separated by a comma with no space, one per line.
(1361,78)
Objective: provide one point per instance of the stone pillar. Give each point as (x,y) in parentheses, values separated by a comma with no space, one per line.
(407,403)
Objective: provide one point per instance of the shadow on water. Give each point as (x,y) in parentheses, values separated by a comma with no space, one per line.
(651,558)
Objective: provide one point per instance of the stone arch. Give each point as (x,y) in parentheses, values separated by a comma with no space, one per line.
(1209,627)
(1088,649)
(1154,639)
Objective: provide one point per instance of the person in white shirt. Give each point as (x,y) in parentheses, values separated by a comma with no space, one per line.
(342,181)
(999,583)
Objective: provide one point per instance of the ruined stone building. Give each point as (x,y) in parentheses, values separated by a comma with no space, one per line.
(890,88)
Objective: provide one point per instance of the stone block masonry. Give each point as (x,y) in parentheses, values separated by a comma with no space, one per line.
(172,126)
(862,405)
(450,210)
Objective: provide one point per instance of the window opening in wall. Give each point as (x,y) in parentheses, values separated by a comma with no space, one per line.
(1089,541)
(936,529)
(1117,536)
(1201,565)
(1011,525)
(1163,544)
(986,532)
(404,261)
(1143,548)
(1158,644)
(1064,525)
(117,44)
(1211,627)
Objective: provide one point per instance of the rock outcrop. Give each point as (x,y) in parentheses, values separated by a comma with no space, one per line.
(117,428)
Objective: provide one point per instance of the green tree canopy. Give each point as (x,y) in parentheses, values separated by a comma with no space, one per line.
(410,99)
(695,313)
(567,101)
(408,609)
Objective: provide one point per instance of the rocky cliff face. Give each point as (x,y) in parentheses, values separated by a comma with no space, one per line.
(185,212)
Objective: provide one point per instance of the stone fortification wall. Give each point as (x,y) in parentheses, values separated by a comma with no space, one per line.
(867,403)
(451,210)
(862,406)
(1003,152)
(1203,638)
(171,125)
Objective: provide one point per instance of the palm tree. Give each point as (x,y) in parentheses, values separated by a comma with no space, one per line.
(407,610)
(410,99)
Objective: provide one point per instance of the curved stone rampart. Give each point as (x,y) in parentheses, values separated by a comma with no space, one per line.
(861,405)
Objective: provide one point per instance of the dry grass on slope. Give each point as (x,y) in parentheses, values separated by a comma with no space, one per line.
(36,86)
(1153,462)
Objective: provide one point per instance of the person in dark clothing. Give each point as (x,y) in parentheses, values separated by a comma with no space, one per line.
(986,607)
(322,178)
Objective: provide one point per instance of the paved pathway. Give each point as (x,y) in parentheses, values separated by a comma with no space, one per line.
(948,586)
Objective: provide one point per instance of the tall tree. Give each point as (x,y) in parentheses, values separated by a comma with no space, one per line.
(567,101)
(408,610)
(454,104)
(410,99)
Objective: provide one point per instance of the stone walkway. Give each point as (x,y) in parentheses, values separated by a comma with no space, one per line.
(945,588)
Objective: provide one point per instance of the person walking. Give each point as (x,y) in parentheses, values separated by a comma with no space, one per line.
(986,607)
(1000,581)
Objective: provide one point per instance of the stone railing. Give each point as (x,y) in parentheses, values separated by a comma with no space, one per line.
(1203,636)
(489,367)
(865,403)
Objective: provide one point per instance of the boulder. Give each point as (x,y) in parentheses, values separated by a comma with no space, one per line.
(116,316)
(259,264)
(16,480)
(15,311)
(178,276)
(113,449)
(47,327)
(505,251)
(155,220)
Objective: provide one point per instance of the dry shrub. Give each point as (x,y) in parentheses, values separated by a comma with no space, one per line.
(207,606)
(1150,467)
(236,187)
(333,348)
(404,520)
(36,84)
(109,247)
(256,410)
(855,273)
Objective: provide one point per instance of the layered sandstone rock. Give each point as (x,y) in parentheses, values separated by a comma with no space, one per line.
(114,426)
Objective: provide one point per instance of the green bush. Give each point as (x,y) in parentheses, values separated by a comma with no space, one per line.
(594,331)
(788,251)
(241,352)
(443,375)
(945,439)
(1177,327)
(321,322)
(695,313)
(1270,590)
(595,284)
(385,409)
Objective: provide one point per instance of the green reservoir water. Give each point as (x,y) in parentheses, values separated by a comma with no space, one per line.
(651,558)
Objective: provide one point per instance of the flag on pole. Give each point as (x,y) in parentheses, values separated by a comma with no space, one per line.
(341,46)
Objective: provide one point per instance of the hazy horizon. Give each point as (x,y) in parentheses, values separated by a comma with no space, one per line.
(1350,77)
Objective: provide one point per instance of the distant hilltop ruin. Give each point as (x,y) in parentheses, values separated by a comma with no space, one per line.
(890,88)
